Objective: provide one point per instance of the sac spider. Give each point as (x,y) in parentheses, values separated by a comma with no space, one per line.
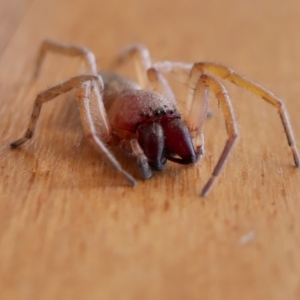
(143,117)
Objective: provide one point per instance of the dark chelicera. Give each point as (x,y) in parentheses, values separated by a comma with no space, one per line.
(163,136)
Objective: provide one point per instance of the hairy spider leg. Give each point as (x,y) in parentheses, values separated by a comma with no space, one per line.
(68,50)
(230,75)
(198,108)
(148,77)
(142,161)
(141,58)
(221,95)
(86,84)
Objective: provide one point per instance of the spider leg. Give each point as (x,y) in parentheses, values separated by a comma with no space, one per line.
(221,94)
(230,75)
(83,98)
(65,49)
(197,117)
(48,95)
(146,74)
(141,58)
(142,160)
(197,114)
(159,84)
(86,85)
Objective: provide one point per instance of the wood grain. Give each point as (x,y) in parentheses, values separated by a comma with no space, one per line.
(71,228)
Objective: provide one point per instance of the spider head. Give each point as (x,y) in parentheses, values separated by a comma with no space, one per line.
(166,139)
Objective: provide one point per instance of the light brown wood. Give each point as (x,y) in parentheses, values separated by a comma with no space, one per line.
(71,228)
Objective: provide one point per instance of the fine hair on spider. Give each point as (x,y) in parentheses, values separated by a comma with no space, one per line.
(142,117)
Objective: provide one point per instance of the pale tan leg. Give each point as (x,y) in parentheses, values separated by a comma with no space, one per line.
(146,74)
(231,126)
(68,50)
(48,95)
(178,68)
(83,97)
(142,160)
(160,85)
(230,75)
(85,85)
(140,56)
(197,114)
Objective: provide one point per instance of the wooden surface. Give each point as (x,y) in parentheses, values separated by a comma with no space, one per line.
(71,228)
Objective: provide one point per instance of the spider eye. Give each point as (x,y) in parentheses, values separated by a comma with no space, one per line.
(151,139)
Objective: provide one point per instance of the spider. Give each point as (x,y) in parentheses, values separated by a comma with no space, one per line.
(142,118)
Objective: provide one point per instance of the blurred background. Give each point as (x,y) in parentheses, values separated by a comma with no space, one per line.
(70,228)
